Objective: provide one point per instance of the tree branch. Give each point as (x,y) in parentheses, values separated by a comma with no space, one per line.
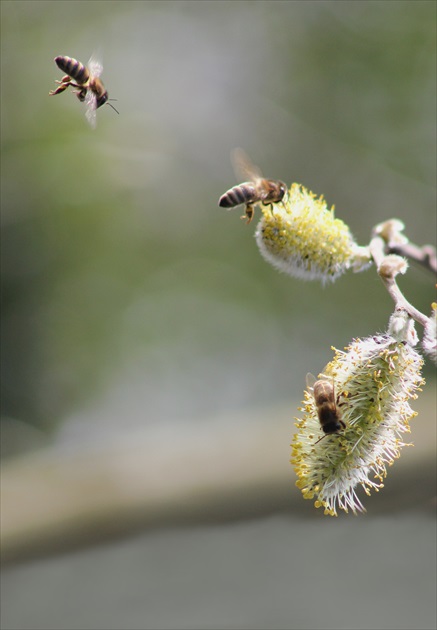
(397,243)
(425,256)
(388,267)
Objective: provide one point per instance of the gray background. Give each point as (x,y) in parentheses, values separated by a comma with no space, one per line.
(152,362)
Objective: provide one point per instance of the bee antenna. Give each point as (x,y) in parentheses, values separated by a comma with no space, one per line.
(326,435)
(323,436)
(115,110)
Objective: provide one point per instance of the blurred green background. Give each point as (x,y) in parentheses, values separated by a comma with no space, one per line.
(132,305)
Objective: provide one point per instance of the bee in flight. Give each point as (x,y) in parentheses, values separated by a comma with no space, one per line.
(256,190)
(86,79)
(326,404)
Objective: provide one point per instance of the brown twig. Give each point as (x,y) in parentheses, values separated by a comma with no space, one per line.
(388,267)
(395,242)
(425,256)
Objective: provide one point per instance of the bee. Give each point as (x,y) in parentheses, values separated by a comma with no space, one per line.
(90,89)
(327,405)
(256,190)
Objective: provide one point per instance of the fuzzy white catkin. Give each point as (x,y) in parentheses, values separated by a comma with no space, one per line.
(301,237)
(374,379)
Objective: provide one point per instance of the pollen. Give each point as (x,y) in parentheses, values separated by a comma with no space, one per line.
(375,379)
(301,237)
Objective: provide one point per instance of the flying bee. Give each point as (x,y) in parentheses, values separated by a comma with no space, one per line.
(90,89)
(326,404)
(256,190)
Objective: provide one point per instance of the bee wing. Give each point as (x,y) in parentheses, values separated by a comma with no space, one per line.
(91,106)
(243,167)
(95,66)
(310,380)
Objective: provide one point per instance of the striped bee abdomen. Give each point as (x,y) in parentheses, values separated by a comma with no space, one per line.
(73,68)
(243,193)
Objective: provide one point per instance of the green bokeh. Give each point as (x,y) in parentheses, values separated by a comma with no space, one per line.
(118,267)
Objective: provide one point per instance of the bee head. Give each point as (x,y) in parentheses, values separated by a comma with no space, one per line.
(101,100)
(332,427)
(104,99)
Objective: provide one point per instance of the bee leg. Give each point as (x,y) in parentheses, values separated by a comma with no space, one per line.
(65,79)
(249,213)
(58,90)
(81,93)
(271,208)
(64,83)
